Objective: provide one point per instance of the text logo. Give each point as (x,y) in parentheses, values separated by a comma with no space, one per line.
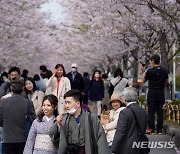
(153,144)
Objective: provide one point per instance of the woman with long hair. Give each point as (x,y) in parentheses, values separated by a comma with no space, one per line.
(38,140)
(33,94)
(59,84)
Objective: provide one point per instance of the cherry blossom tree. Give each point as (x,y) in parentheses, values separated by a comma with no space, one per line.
(95,34)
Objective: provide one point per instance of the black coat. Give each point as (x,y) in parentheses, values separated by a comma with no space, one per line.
(77,83)
(96,90)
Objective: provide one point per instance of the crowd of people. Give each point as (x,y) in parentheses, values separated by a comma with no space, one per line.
(66,111)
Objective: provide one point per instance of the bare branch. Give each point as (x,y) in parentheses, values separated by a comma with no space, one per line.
(176,52)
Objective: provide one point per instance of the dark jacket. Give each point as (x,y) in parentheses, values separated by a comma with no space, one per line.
(96,90)
(87,82)
(13,111)
(4,89)
(127,131)
(157,77)
(1,80)
(77,83)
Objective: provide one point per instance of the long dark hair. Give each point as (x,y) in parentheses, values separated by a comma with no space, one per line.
(118,72)
(54,102)
(61,65)
(34,85)
(100,78)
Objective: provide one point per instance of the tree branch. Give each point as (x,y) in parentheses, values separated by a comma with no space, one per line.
(176,52)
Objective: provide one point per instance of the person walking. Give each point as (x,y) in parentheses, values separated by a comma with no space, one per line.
(157,78)
(48,90)
(59,85)
(118,82)
(87,82)
(78,131)
(76,79)
(96,92)
(14,72)
(38,141)
(105,101)
(13,112)
(36,96)
(127,130)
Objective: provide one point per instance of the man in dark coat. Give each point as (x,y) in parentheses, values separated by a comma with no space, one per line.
(87,82)
(13,112)
(127,130)
(76,79)
(14,72)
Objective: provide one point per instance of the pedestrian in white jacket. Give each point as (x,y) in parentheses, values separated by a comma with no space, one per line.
(59,84)
(117,107)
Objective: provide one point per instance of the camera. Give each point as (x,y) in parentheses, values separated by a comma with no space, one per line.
(71,149)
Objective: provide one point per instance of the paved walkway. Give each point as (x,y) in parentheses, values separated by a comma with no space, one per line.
(161,150)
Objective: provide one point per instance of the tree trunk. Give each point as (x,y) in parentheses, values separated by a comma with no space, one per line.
(125,64)
(164,58)
(163,48)
(135,70)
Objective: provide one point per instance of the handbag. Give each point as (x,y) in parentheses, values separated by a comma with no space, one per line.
(111,88)
(71,149)
(28,121)
(142,137)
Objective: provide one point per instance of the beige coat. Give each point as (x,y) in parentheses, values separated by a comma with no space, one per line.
(110,128)
(37,98)
(64,86)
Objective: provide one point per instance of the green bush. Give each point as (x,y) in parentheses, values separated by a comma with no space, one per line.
(178,82)
(141,99)
(176,102)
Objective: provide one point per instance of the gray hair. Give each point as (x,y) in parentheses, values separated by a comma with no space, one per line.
(130,94)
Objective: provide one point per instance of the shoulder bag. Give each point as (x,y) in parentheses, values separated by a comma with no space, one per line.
(111,88)
(142,137)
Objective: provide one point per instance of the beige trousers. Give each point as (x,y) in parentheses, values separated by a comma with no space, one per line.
(95,107)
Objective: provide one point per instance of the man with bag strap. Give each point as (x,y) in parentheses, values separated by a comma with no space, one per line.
(127,131)
(78,131)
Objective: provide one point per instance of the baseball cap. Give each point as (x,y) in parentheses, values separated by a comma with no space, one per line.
(74,65)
